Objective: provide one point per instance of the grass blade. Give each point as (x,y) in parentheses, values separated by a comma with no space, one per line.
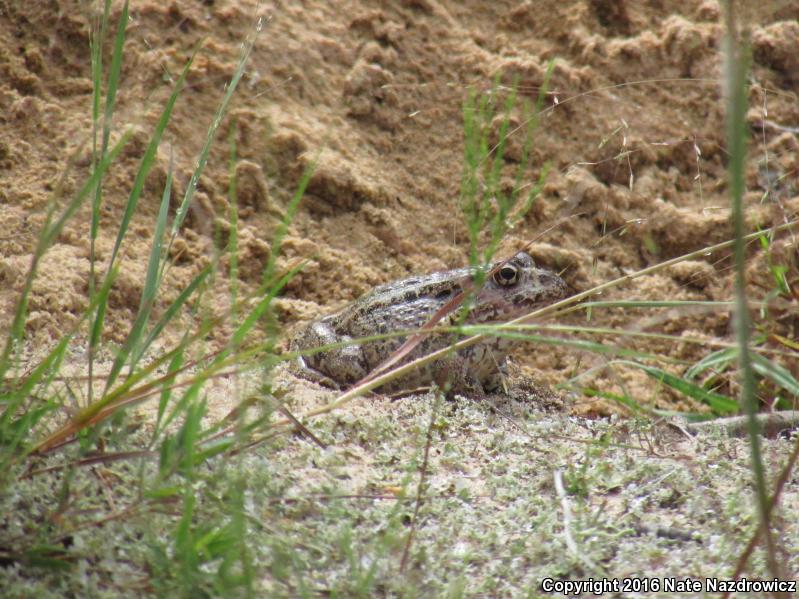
(721,404)
(173,308)
(716,361)
(211,134)
(147,161)
(736,62)
(131,349)
(283,226)
(110,103)
(777,374)
(175,365)
(152,282)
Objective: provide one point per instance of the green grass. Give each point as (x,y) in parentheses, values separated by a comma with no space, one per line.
(33,420)
(490,210)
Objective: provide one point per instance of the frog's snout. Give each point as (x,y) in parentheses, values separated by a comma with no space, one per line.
(553,283)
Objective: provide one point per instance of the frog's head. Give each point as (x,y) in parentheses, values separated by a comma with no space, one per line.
(514,287)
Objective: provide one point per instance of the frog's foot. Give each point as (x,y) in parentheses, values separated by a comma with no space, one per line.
(303,370)
(458,380)
(335,367)
(497,381)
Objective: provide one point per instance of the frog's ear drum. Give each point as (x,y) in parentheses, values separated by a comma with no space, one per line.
(507,275)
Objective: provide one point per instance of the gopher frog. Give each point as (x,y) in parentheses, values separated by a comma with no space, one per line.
(516,287)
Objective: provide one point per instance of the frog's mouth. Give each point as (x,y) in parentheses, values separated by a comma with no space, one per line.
(493,306)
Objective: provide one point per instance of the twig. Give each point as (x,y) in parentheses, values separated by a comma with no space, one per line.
(421,487)
(736,426)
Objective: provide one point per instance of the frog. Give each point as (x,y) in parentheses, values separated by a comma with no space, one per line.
(509,288)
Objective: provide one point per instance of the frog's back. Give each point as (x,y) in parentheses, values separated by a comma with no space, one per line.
(401,305)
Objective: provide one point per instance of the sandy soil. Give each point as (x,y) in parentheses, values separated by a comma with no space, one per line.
(633,132)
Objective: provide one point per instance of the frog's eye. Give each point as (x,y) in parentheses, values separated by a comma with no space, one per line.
(507,275)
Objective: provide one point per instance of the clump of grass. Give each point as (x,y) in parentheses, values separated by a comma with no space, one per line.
(36,422)
(490,209)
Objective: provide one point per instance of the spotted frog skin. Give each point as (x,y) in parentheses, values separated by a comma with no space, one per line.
(515,288)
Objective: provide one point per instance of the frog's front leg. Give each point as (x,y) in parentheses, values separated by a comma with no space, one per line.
(477,371)
(334,367)
(453,375)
